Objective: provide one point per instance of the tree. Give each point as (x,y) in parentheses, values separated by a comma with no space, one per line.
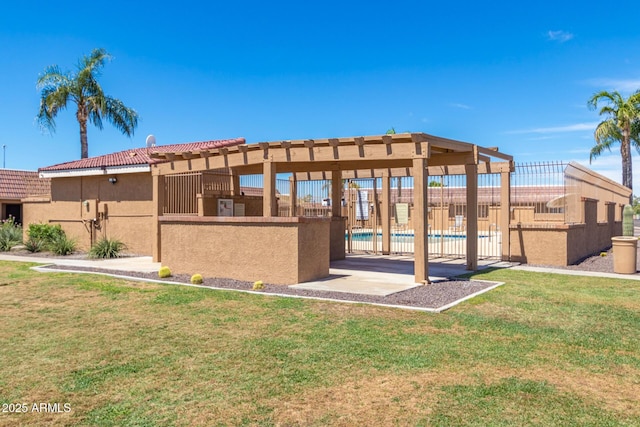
(622,124)
(82,88)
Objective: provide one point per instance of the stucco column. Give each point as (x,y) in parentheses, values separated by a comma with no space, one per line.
(472,216)
(336,193)
(269,204)
(293,195)
(505,213)
(235,183)
(158,205)
(385,211)
(420,220)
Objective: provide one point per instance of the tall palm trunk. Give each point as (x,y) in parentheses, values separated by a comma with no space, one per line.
(625,151)
(81,115)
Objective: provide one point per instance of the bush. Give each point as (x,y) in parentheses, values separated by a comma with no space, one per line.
(258,285)
(196,279)
(10,234)
(35,245)
(45,232)
(164,272)
(62,245)
(107,248)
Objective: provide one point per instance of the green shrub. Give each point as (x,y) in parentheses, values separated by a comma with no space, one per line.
(107,248)
(62,245)
(10,234)
(45,232)
(196,279)
(35,245)
(164,272)
(258,285)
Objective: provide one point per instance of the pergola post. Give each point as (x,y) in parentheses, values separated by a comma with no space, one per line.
(269,203)
(505,213)
(293,195)
(420,220)
(336,193)
(235,183)
(386,217)
(471,171)
(158,205)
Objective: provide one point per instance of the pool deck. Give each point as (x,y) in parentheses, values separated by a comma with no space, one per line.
(385,274)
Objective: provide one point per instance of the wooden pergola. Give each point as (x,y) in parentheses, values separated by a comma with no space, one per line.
(380,156)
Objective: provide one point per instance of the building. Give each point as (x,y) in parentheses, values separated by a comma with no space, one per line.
(15,185)
(109,195)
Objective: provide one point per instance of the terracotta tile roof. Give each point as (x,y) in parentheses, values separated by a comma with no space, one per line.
(17,184)
(140,156)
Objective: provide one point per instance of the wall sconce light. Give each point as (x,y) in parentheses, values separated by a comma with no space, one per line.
(113,180)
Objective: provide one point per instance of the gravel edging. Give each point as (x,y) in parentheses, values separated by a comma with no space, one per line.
(435,297)
(601,262)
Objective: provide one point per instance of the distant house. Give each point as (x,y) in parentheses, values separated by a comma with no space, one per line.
(109,195)
(16,185)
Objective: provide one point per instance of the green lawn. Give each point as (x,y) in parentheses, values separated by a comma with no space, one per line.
(541,350)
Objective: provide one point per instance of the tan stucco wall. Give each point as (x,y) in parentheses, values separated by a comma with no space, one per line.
(123,210)
(564,244)
(545,245)
(275,250)
(337,240)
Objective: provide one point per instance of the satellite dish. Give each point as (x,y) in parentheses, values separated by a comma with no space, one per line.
(151,141)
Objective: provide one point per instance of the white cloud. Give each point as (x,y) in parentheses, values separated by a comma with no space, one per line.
(559,36)
(622,85)
(463,106)
(578,127)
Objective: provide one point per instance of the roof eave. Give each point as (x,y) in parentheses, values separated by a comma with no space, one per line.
(107,170)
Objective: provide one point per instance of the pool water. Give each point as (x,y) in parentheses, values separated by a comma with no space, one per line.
(367,236)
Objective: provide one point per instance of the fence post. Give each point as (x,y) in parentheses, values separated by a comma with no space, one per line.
(471,171)
(386,217)
(505,213)
(420,220)
(269,204)
(158,205)
(293,195)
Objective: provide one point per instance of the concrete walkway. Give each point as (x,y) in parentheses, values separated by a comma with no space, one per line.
(635,276)
(384,275)
(143,264)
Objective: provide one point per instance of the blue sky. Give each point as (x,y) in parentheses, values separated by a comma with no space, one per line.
(509,74)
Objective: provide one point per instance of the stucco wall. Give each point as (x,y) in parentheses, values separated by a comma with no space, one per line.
(564,244)
(275,250)
(337,241)
(123,210)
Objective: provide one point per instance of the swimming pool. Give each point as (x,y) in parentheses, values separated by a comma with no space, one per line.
(367,236)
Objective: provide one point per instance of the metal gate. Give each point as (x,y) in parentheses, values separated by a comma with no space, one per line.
(447,216)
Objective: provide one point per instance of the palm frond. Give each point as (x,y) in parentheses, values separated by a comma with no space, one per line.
(91,65)
(52,100)
(635,134)
(123,118)
(53,76)
(606,134)
(612,97)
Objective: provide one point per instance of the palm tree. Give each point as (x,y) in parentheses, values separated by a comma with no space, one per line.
(621,125)
(82,88)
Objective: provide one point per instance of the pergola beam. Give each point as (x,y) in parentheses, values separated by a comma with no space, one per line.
(483,168)
(312,153)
